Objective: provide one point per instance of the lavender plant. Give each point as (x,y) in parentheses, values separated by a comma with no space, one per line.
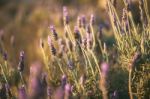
(132,43)
(82,63)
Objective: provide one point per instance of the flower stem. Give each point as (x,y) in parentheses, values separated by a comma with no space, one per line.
(129,85)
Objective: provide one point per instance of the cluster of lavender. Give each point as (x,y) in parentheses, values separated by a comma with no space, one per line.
(80,64)
(74,55)
(132,45)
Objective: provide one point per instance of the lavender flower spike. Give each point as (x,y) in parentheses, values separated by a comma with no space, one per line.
(65,15)
(52,48)
(54,33)
(104,68)
(63,81)
(21,62)
(92,19)
(22,93)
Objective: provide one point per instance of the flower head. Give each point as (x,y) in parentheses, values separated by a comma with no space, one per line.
(104,68)
(65,15)
(22,93)
(63,80)
(21,61)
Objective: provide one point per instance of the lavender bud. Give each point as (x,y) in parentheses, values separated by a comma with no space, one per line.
(68,88)
(54,33)
(70,64)
(65,15)
(22,93)
(21,62)
(35,69)
(5,56)
(77,34)
(52,48)
(124,14)
(49,91)
(92,19)
(104,68)
(83,21)
(63,81)
(79,22)
(22,55)
(68,91)
(88,30)
(43,80)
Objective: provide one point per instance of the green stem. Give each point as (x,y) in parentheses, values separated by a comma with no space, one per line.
(4,74)
(60,66)
(129,84)
(22,78)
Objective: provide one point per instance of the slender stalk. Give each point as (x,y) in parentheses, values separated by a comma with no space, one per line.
(46,62)
(103,87)
(129,84)
(22,80)
(3,73)
(90,64)
(60,66)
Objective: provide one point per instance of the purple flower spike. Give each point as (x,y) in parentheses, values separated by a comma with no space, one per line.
(65,15)
(22,55)
(76,33)
(70,64)
(21,62)
(83,21)
(63,80)
(54,33)
(22,93)
(52,48)
(88,30)
(92,19)
(68,89)
(5,56)
(65,9)
(79,23)
(105,68)
(49,91)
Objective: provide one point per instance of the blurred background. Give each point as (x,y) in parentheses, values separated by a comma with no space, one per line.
(24,22)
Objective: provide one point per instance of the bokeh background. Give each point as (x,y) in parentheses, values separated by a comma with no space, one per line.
(24,22)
